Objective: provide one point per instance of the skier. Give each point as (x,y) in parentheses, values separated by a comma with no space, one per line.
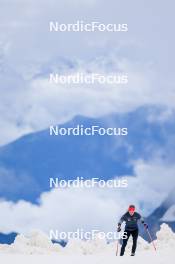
(131,219)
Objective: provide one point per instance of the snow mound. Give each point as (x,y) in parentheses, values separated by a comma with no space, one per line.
(38,243)
(88,247)
(165,237)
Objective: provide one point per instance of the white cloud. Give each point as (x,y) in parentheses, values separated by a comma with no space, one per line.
(34,105)
(28,104)
(69,209)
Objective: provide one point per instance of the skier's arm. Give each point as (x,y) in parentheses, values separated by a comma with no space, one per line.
(122,219)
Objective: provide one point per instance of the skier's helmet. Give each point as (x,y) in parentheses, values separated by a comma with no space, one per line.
(131,208)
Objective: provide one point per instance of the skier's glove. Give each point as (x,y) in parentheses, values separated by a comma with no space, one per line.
(145,226)
(119,228)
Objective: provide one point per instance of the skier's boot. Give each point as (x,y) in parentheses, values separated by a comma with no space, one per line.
(132,254)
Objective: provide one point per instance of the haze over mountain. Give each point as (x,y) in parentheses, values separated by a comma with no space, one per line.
(162,214)
(30,161)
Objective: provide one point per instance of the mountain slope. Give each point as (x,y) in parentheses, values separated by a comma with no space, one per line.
(28,163)
(157,217)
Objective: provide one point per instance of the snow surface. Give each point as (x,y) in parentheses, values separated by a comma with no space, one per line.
(38,248)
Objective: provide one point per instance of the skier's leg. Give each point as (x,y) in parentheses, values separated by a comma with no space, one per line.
(134,236)
(124,243)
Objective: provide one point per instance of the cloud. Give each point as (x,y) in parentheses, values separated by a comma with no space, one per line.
(28,104)
(69,209)
(34,105)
